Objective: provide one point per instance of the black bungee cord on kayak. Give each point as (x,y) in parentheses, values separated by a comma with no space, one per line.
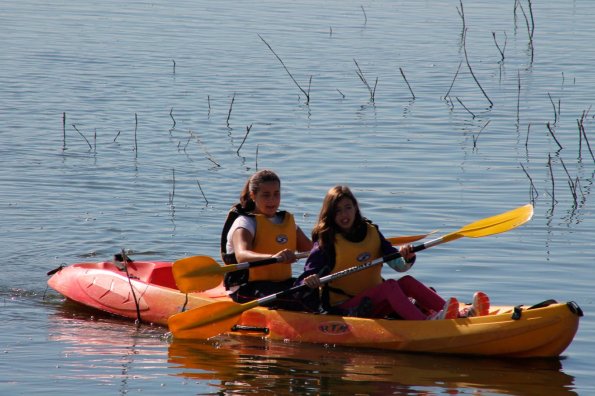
(126,260)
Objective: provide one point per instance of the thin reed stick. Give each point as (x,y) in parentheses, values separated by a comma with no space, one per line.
(86,140)
(407,82)
(549,127)
(233,98)
(307,94)
(248,128)
(453,80)
(361,76)
(63,131)
(471,70)
(203,193)
(135,140)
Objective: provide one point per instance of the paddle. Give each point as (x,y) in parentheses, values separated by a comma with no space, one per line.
(198,273)
(218,317)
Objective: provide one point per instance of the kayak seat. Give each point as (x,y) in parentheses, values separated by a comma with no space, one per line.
(162,275)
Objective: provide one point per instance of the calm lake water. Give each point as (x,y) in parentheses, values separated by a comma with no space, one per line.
(125,125)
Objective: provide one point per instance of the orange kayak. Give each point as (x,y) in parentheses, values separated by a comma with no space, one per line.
(148,293)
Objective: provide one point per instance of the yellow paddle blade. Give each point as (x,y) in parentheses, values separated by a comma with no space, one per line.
(405,239)
(494,225)
(207,321)
(197,273)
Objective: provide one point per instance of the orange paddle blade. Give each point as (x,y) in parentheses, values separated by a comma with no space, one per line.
(197,273)
(207,321)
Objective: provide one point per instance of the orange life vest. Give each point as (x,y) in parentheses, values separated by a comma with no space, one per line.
(271,238)
(349,254)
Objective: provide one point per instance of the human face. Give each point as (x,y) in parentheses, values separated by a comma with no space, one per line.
(345,214)
(267,198)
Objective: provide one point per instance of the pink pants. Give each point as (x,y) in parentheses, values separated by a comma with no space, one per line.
(392,296)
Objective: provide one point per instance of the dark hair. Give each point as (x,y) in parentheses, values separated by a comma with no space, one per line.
(252,186)
(325,229)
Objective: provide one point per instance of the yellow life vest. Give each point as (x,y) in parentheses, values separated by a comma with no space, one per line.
(349,254)
(271,238)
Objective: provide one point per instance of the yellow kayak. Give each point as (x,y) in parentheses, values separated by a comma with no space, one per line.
(149,293)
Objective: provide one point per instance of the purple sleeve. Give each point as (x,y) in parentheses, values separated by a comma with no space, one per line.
(318,263)
(386,246)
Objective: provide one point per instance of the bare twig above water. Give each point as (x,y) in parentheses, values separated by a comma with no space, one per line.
(476,137)
(361,76)
(173,60)
(530,24)
(202,192)
(465,107)
(233,98)
(533,191)
(341,93)
(453,80)
(171,115)
(209,104)
(407,82)
(556,110)
(307,94)
(63,131)
(80,133)
(549,164)
(518,100)
(582,133)
(256,158)
(471,70)
(135,140)
(549,128)
(501,50)
(115,138)
(365,16)
(173,188)
(248,128)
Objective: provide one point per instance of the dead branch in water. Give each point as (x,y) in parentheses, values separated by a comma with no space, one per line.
(80,133)
(582,133)
(465,107)
(365,16)
(171,115)
(530,25)
(501,50)
(361,76)
(135,141)
(173,188)
(533,191)
(453,80)
(556,111)
(407,82)
(63,131)
(549,164)
(307,94)
(549,127)
(245,136)
(233,98)
(173,60)
(471,70)
(256,159)
(202,192)
(476,137)
(518,100)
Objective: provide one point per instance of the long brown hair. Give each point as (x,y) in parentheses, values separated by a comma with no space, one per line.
(252,186)
(325,229)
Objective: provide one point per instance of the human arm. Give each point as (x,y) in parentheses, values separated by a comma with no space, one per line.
(317,266)
(400,264)
(304,244)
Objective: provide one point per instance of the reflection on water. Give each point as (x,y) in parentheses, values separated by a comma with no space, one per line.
(238,365)
(97,350)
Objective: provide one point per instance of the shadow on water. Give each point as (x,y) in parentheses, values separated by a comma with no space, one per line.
(237,365)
